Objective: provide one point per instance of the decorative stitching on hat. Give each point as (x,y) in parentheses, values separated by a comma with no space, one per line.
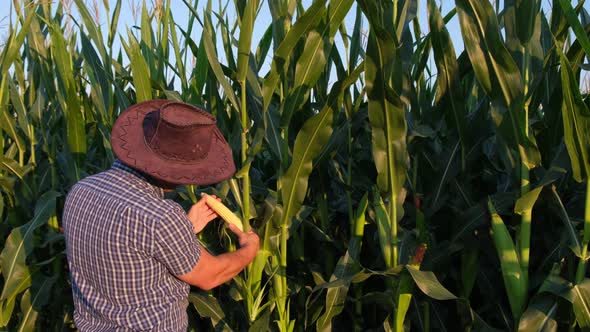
(121,137)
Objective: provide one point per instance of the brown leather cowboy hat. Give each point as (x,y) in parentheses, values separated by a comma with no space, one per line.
(172,142)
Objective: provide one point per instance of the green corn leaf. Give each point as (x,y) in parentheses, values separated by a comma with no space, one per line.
(6,309)
(386,115)
(336,296)
(68,98)
(359,277)
(257,267)
(526,13)
(146,27)
(19,245)
(164,35)
(581,297)
(273,136)
(177,54)
(202,67)
(576,123)
(355,42)
(262,324)
(443,178)
(263,47)
(309,142)
(280,60)
(227,40)
(114,23)
(347,266)
(254,94)
(403,299)
(359,217)
(576,53)
(282,15)
(448,82)
(31,302)
(314,57)
(21,113)
(10,51)
(492,63)
(94,31)
(35,39)
(246,26)
(426,281)
(572,19)
(556,285)
(429,284)
(194,11)
(199,76)
(7,121)
(511,124)
(209,307)
(311,63)
(572,233)
(558,24)
(139,69)
(406,14)
(253,151)
(30,315)
(383,228)
(340,134)
(374,11)
(469,270)
(540,316)
(7,184)
(509,262)
(13,167)
(216,67)
(526,202)
(98,77)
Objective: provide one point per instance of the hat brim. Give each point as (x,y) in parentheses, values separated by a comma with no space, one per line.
(129,145)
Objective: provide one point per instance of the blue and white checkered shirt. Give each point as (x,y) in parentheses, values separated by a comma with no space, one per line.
(125,244)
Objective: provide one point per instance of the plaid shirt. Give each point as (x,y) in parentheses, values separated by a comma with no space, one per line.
(125,244)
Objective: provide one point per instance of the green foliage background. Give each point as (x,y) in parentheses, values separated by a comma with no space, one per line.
(369,194)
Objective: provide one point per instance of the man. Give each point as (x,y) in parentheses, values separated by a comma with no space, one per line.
(133,254)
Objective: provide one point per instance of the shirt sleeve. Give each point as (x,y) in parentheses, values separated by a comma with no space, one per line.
(176,245)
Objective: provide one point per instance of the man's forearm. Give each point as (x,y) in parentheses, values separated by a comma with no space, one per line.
(230,264)
(212,271)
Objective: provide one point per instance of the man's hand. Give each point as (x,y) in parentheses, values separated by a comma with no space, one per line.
(201,214)
(211,271)
(249,241)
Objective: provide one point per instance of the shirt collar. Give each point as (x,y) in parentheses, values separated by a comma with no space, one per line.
(118,165)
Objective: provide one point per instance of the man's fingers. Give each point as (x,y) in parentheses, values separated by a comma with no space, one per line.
(234,229)
(201,202)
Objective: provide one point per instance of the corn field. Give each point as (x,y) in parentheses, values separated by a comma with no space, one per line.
(395,184)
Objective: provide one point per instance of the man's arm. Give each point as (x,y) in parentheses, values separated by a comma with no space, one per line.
(211,271)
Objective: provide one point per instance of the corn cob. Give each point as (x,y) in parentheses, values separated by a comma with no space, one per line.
(223,211)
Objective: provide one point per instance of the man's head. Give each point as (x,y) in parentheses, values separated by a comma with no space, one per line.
(173,143)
